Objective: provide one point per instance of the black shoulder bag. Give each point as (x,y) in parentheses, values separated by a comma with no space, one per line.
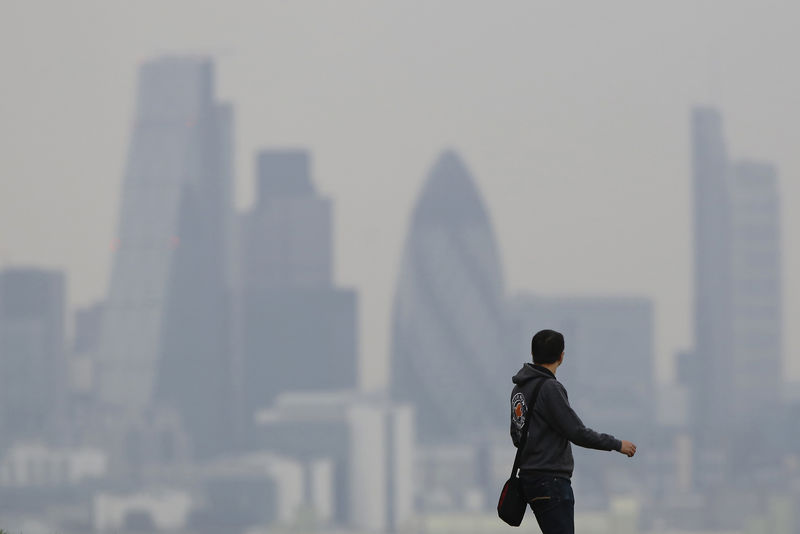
(512,503)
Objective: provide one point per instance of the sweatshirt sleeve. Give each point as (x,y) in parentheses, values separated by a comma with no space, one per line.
(555,408)
(516,434)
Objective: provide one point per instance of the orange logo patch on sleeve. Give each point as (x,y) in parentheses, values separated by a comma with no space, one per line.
(519,410)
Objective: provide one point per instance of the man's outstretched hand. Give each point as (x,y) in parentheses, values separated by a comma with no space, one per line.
(628,448)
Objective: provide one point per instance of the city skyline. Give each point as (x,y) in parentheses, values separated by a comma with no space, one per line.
(226,353)
(562,127)
(270,267)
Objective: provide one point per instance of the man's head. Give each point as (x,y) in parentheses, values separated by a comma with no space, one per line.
(547,347)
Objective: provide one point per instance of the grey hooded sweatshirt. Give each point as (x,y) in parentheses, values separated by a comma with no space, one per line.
(554,425)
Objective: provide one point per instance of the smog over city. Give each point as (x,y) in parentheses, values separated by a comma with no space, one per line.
(270,267)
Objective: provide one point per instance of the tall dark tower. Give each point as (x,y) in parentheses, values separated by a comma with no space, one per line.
(194,359)
(757,348)
(179,156)
(447,350)
(712,272)
(734,375)
(298,330)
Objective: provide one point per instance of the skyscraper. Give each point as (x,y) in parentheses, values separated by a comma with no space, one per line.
(287,236)
(32,363)
(756,356)
(298,331)
(179,157)
(712,325)
(194,373)
(448,357)
(734,371)
(88,324)
(82,358)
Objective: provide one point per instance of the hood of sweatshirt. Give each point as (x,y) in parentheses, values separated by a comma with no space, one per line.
(530,371)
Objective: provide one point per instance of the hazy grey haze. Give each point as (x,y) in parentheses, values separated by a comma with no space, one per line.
(574,120)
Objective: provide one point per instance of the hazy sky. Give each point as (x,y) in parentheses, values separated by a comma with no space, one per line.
(573,117)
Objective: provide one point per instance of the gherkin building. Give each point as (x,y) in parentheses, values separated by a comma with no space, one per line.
(448,357)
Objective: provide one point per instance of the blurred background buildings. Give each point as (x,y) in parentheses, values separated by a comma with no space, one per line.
(216,387)
(447,341)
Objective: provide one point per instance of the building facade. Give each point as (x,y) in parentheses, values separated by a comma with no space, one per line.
(33,366)
(756,355)
(447,354)
(359,468)
(179,154)
(296,329)
(734,372)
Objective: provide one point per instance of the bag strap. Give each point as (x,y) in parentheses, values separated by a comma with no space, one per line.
(524,437)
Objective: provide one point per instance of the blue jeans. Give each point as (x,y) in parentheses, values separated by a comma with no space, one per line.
(553,503)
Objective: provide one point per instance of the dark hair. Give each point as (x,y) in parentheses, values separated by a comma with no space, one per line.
(547,346)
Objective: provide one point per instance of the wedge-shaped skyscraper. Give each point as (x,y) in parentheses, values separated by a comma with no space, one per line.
(447,350)
(175,204)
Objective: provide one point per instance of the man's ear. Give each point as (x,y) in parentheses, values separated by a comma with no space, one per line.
(561,358)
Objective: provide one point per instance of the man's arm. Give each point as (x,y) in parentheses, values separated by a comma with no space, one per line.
(516,433)
(559,414)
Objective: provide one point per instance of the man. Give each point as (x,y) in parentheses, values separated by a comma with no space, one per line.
(546,463)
